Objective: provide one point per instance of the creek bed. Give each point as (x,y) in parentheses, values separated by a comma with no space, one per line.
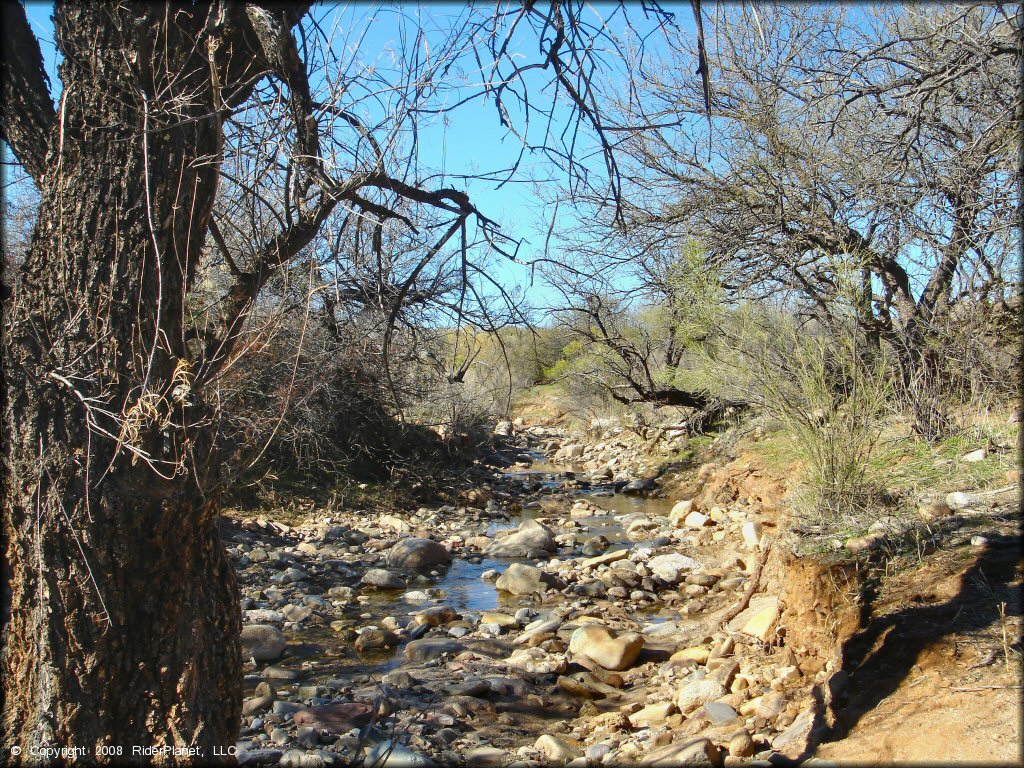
(317,653)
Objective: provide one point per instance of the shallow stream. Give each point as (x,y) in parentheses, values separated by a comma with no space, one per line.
(317,653)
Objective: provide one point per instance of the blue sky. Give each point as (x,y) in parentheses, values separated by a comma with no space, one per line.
(473,140)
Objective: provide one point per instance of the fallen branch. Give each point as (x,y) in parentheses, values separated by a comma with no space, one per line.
(653,442)
(755,579)
(967,689)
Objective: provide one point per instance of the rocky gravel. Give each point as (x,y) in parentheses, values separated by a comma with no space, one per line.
(544,627)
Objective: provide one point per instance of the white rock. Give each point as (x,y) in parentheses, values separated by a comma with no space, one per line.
(537,661)
(680,511)
(752,534)
(692,695)
(697,520)
(555,749)
(959,500)
(670,567)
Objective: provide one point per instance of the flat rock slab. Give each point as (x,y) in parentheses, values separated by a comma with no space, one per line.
(335,718)
(388,754)
(607,557)
(719,713)
(758,605)
(431,648)
(792,741)
(689,752)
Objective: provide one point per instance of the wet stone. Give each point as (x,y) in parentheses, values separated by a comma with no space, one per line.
(262,642)
(521,579)
(373,639)
(417,554)
(430,648)
(335,718)
(382,578)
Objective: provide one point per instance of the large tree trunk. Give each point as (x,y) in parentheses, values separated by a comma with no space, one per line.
(120,616)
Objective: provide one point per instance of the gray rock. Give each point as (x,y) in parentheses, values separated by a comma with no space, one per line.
(256,704)
(485,757)
(792,741)
(296,758)
(530,537)
(689,752)
(958,500)
(307,736)
(597,752)
(263,616)
(297,613)
(277,673)
(638,487)
(290,576)
(431,648)
(719,713)
(417,554)
(698,692)
(672,567)
(262,642)
(488,646)
(521,579)
(474,687)
(415,631)
(594,588)
(595,546)
(382,578)
(390,754)
(399,678)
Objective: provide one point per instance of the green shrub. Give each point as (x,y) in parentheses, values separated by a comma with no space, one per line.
(831,396)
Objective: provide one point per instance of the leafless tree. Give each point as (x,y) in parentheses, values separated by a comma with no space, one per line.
(877,141)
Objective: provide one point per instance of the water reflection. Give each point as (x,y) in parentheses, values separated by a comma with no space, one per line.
(321,653)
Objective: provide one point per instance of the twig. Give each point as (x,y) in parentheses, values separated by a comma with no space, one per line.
(1006,643)
(967,689)
(988,659)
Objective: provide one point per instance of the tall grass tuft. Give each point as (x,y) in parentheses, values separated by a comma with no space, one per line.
(830,391)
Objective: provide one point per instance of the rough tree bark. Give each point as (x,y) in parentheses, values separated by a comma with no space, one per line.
(120,615)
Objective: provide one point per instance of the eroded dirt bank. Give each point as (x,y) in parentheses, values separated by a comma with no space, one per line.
(601,610)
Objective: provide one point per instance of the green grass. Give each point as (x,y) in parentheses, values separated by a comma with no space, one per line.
(916,467)
(778,449)
(905,468)
(910,467)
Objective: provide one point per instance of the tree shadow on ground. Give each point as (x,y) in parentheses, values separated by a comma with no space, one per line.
(881,655)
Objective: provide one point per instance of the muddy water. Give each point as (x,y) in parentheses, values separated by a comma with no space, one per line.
(320,654)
